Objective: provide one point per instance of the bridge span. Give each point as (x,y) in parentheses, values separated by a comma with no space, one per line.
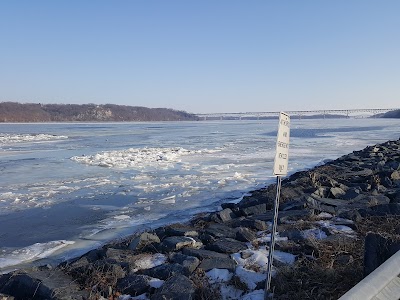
(326,113)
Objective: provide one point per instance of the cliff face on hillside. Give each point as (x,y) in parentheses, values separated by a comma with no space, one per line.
(17,112)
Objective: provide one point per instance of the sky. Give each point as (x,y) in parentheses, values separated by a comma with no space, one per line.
(205,56)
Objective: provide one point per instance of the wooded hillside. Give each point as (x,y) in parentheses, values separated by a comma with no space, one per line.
(29,112)
(392,114)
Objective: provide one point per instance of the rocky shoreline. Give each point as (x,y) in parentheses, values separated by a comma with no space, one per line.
(337,223)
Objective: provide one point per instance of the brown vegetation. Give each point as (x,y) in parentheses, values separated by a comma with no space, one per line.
(335,266)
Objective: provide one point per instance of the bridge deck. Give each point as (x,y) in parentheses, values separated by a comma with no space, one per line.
(300,113)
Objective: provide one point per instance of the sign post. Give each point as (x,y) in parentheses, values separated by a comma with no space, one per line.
(280,169)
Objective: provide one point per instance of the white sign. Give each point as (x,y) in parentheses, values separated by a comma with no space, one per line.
(282,145)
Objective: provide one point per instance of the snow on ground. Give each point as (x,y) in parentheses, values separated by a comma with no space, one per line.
(249,277)
(129,297)
(266,238)
(254,295)
(218,276)
(252,263)
(337,229)
(229,292)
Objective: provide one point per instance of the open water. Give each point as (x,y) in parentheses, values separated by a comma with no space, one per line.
(68,188)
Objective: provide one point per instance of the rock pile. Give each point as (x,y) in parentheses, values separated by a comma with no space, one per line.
(185,261)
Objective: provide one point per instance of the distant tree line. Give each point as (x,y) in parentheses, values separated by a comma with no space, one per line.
(31,112)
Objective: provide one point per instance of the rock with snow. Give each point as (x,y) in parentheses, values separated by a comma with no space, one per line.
(181,231)
(175,243)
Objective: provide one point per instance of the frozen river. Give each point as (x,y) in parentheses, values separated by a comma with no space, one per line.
(66,188)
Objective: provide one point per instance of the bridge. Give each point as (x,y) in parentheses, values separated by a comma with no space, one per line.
(327,113)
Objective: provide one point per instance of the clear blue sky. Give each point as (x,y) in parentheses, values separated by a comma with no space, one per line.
(202,56)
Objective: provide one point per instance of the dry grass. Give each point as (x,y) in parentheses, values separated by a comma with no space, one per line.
(238,284)
(388,226)
(325,276)
(336,266)
(98,278)
(204,290)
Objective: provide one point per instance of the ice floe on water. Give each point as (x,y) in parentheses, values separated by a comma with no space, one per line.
(29,253)
(138,157)
(23,196)
(21,138)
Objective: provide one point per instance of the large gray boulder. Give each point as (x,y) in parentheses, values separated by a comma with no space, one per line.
(377,250)
(143,240)
(175,230)
(244,234)
(177,287)
(134,284)
(218,263)
(220,231)
(164,271)
(227,245)
(41,284)
(189,263)
(204,254)
(226,215)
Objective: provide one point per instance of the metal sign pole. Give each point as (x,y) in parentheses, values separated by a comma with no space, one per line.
(280,169)
(267,294)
